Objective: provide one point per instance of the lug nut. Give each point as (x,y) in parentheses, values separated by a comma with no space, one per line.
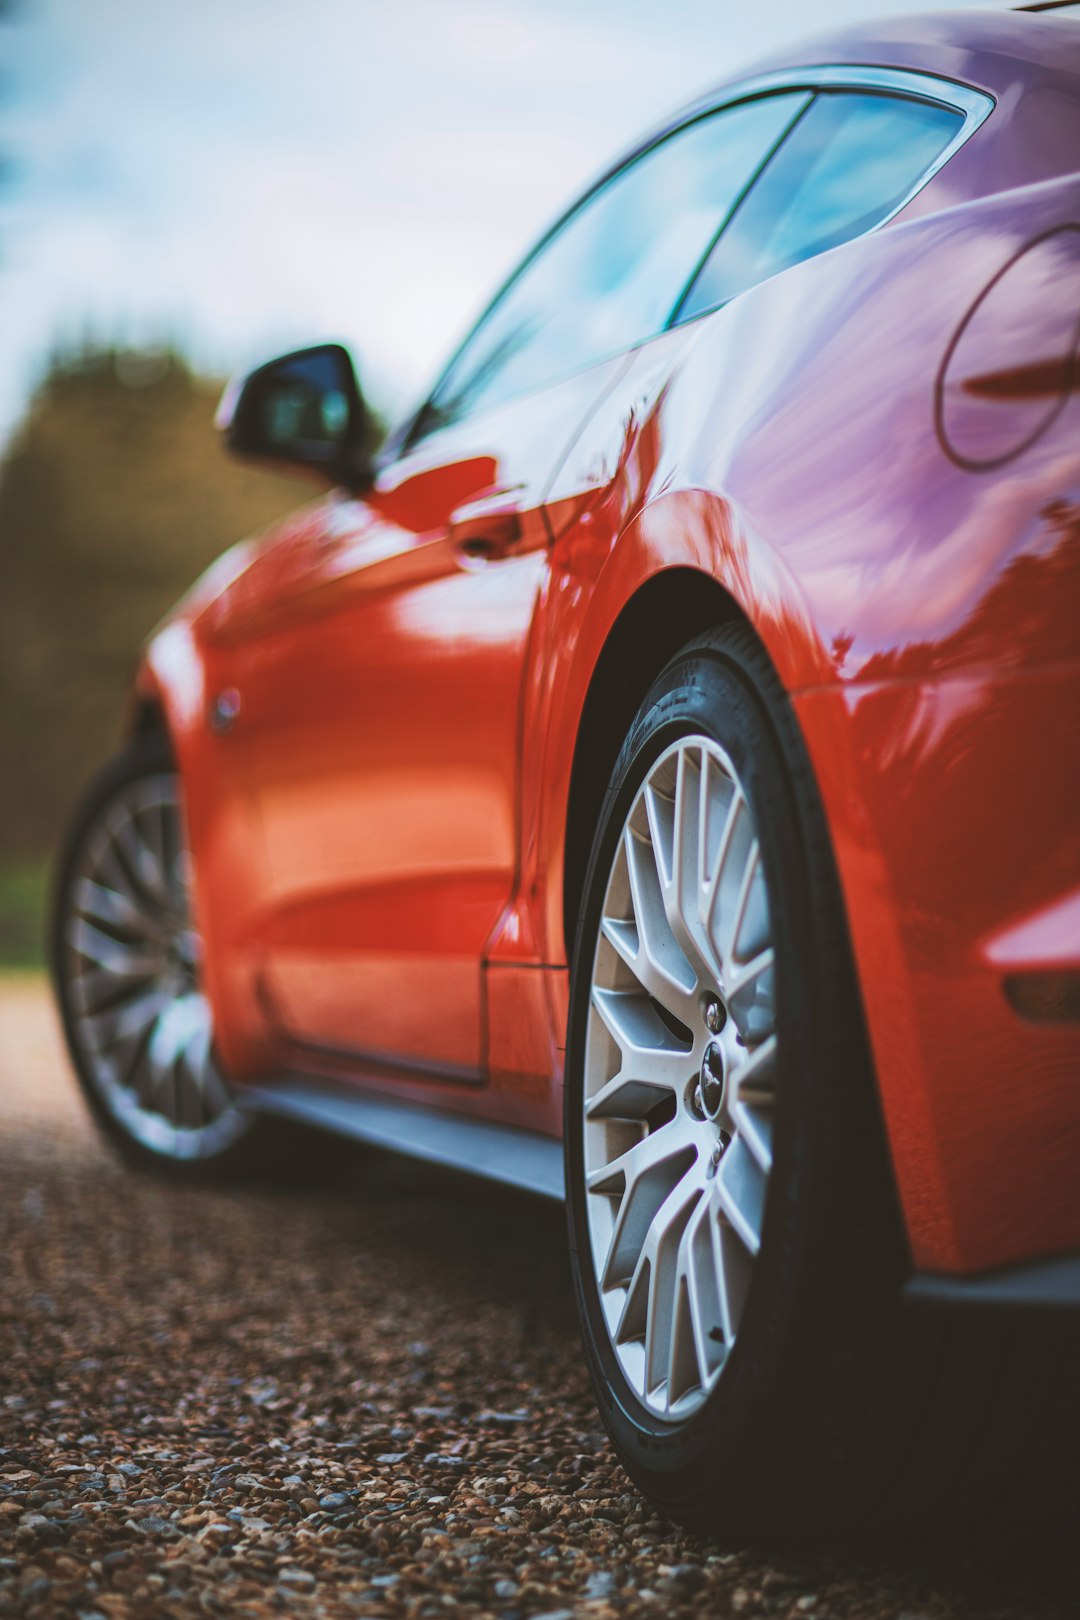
(720,1149)
(715,1017)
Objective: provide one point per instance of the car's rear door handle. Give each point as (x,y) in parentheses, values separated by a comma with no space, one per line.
(490,526)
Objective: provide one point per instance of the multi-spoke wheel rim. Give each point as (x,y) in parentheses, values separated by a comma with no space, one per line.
(680,1063)
(131,957)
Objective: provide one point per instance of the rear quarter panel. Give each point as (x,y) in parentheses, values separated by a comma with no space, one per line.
(914,609)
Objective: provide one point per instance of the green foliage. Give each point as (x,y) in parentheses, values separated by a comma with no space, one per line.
(24,889)
(114,496)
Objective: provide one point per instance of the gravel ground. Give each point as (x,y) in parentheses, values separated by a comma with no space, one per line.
(359,1395)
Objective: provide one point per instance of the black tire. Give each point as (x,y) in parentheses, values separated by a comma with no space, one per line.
(837,1411)
(248,1143)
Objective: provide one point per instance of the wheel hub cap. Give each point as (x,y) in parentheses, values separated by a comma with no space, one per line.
(713,1080)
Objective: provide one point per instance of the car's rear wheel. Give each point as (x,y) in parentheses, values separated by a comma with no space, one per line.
(680,1066)
(737,1249)
(126,956)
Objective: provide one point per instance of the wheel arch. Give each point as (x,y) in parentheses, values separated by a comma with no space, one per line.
(664,613)
(146,720)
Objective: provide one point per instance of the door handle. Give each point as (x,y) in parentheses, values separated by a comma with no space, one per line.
(490,526)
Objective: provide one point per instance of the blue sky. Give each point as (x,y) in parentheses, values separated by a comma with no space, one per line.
(244,175)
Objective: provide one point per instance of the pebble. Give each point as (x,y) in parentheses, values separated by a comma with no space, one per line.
(302,1580)
(361,1395)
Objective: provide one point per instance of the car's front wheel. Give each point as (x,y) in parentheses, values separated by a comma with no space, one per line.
(126,956)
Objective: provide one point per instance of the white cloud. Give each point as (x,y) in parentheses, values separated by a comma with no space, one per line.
(254,173)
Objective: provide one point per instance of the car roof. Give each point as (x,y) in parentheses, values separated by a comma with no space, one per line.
(1004,54)
(986,49)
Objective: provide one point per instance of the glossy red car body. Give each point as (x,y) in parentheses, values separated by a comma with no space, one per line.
(874,458)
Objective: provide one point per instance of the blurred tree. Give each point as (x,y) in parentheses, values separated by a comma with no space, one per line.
(114,495)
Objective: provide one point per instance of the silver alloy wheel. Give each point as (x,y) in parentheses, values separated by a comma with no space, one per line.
(132,955)
(680,1059)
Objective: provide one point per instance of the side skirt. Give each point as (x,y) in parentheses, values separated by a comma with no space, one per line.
(1051,1285)
(481,1147)
(534,1163)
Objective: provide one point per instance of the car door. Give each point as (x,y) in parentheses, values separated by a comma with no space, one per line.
(378,721)
(381,689)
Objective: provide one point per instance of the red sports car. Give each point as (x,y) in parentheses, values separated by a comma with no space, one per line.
(654,774)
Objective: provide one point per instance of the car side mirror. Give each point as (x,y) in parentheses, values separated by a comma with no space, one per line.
(305,410)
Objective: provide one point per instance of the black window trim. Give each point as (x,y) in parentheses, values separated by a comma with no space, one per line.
(415,428)
(781,140)
(975,106)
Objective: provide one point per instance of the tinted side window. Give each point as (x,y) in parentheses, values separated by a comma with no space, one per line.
(610,274)
(847,164)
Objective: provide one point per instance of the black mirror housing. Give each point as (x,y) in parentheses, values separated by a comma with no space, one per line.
(304,409)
